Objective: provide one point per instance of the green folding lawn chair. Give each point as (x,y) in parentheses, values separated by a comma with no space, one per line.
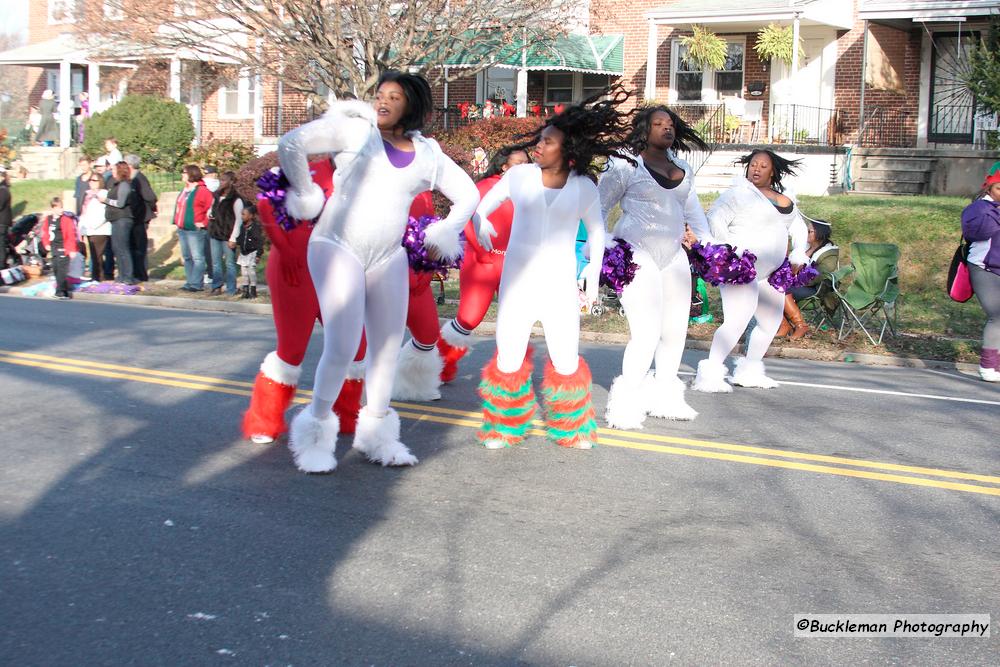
(868,289)
(821,308)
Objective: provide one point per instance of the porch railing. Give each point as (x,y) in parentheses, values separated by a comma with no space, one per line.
(884,127)
(709,121)
(276,120)
(802,124)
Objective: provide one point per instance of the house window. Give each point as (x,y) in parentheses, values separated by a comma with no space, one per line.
(236,96)
(593,84)
(558,87)
(114,10)
(694,84)
(62,11)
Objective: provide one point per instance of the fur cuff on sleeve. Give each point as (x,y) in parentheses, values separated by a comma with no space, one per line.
(307,204)
(444,239)
(798,257)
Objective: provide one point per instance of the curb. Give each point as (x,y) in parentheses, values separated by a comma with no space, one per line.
(489,328)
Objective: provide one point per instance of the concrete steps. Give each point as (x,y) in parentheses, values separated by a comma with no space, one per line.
(894,175)
(47,162)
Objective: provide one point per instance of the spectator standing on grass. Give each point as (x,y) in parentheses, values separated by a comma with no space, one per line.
(144,211)
(211,179)
(94,225)
(981,228)
(48,131)
(191,218)
(6,216)
(80,186)
(223,231)
(119,212)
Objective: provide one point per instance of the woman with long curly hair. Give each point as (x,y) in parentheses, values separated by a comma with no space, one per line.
(550,197)
(659,206)
(753,215)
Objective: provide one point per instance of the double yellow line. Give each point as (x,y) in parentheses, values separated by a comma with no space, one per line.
(663,444)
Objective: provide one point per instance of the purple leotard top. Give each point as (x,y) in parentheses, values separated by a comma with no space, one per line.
(398,158)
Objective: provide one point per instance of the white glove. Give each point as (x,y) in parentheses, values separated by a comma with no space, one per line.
(484,233)
(305,204)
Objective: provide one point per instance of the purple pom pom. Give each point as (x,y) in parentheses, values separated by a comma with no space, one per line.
(719,264)
(782,278)
(110,288)
(618,269)
(416,251)
(274,187)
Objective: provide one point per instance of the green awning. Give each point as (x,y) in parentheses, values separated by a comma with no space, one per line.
(597,54)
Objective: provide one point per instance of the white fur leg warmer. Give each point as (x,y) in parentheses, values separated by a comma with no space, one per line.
(313,441)
(664,396)
(277,370)
(378,439)
(711,378)
(625,408)
(453,336)
(418,374)
(751,374)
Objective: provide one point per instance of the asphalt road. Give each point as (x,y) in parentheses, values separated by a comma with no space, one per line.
(136,527)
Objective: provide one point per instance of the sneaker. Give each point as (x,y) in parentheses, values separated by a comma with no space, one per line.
(989,374)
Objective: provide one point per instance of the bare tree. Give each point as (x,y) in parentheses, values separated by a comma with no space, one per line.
(342,45)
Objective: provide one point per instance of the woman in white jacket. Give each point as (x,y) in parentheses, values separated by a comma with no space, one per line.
(357,264)
(93,225)
(753,215)
(658,202)
(538,282)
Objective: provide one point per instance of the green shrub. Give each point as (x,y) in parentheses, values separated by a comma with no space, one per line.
(156,129)
(226,155)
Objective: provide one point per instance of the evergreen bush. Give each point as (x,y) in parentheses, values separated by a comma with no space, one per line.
(156,129)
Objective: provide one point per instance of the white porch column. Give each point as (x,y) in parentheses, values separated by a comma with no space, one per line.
(175,79)
(65,104)
(445,104)
(94,87)
(522,93)
(795,46)
(652,47)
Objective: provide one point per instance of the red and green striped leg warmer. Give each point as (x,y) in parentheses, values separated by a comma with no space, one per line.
(508,403)
(569,410)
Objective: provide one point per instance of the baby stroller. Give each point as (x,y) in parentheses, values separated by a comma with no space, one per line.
(607,299)
(24,245)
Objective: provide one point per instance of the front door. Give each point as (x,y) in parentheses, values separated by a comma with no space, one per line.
(952,104)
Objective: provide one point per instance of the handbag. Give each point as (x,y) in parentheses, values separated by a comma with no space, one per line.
(959,283)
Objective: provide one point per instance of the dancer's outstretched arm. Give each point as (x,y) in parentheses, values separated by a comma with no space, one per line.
(445,236)
(491,201)
(594,223)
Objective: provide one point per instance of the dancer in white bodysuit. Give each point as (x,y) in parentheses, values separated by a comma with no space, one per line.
(658,201)
(753,215)
(355,258)
(538,283)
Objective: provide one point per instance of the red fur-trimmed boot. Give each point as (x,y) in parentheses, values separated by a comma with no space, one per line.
(508,404)
(348,404)
(569,408)
(452,346)
(273,391)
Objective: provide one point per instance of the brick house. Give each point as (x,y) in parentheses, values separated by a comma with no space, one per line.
(877,75)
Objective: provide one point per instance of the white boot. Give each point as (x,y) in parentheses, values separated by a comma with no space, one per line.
(418,374)
(711,378)
(378,439)
(989,374)
(748,373)
(625,405)
(664,396)
(313,441)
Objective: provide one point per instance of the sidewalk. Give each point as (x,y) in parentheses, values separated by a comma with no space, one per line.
(227,305)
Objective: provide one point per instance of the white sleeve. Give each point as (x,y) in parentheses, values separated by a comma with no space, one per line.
(612,185)
(451,181)
(331,133)
(238,210)
(720,216)
(593,221)
(694,216)
(799,234)
(492,200)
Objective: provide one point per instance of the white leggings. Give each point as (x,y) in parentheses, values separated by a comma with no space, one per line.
(740,303)
(518,311)
(352,299)
(657,304)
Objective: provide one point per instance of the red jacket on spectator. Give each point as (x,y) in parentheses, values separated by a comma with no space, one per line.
(191,210)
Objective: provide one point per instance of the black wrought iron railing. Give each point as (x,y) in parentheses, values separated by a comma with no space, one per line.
(278,119)
(885,127)
(952,123)
(803,124)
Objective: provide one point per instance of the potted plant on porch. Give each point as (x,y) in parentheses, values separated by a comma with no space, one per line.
(775,42)
(705,48)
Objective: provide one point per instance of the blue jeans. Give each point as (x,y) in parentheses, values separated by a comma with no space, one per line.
(221,251)
(193,252)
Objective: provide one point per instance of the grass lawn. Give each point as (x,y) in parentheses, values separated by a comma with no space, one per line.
(31,196)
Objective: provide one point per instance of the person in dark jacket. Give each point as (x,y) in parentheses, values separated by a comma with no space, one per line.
(81,183)
(120,206)
(981,228)
(6,216)
(144,210)
(60,238)
(226,210)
